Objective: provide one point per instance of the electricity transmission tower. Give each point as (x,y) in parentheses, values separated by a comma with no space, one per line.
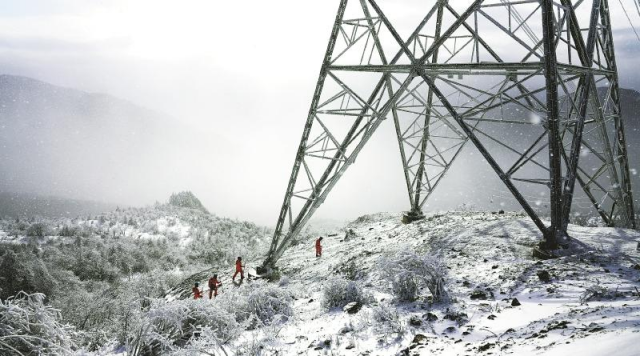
(532,84)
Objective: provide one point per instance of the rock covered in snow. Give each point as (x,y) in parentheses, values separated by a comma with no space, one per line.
(352,308)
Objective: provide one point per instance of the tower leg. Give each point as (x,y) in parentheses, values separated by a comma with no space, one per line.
(416,207)
(555,232)
(285,211)
(626,209)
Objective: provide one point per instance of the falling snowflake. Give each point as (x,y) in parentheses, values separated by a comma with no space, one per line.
(584,152)
(535,119)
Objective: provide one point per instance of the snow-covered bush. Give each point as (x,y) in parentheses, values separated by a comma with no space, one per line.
(68,231)
(387,320)
(598,292)
(268,303)
(38,230)
(595,221)
(349,235)
(456,315)
(29,327)
(338,292)
(350,270)
(284,281)
(259,343)
(408,270)
(162,327)
(467,207)
(205,343)
(405,287)
(168,326)
(181,325)
(20,272)
(257,304)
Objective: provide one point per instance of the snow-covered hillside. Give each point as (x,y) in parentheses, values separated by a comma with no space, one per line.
(75,285)
(109,276)
(161,222)
(584,304)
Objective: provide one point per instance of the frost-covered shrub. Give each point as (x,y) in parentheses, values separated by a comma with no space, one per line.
(21,272)
(168,326)
(253,347)
(467,207)
(68,231)
(338,292)
(387,319)
(257,304)
(595,221)
(29,327)
(349,235)
(350,270)
(284,281)
(205,343)
(457,315)
(405,287)
(268,303)
(38,230)
(598,292)
(259,344)
(408,270)
(162,327)
(114,310)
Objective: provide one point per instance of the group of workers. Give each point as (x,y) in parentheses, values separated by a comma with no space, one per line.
(214,283)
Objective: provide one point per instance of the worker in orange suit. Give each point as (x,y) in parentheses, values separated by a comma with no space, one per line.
(214,283)
(239,269)
(197,294)
(319,247)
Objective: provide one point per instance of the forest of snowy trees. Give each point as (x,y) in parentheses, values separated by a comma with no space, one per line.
(81,283)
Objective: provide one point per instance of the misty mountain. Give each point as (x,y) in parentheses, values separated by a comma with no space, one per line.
(66,142)
(28,205)
(186,200)
(630,106)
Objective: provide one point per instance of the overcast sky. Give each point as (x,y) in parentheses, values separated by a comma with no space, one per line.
(243,70)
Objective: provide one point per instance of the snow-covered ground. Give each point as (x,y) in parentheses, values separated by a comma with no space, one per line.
(487,255)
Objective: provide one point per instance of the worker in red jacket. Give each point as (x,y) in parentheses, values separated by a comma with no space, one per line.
(197,294)
(319,247)
(214,283)
(239,269)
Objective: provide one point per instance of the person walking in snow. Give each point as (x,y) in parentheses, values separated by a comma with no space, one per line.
(213,286)
(319,247)
(239,269)
(197,294)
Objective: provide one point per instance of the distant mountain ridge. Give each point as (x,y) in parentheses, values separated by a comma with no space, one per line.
(629,105)
(22,205)
(65,142)
(17,92)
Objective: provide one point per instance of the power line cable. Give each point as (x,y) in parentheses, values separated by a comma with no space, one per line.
(629,18)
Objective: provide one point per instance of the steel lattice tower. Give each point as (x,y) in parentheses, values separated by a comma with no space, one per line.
(542,70)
